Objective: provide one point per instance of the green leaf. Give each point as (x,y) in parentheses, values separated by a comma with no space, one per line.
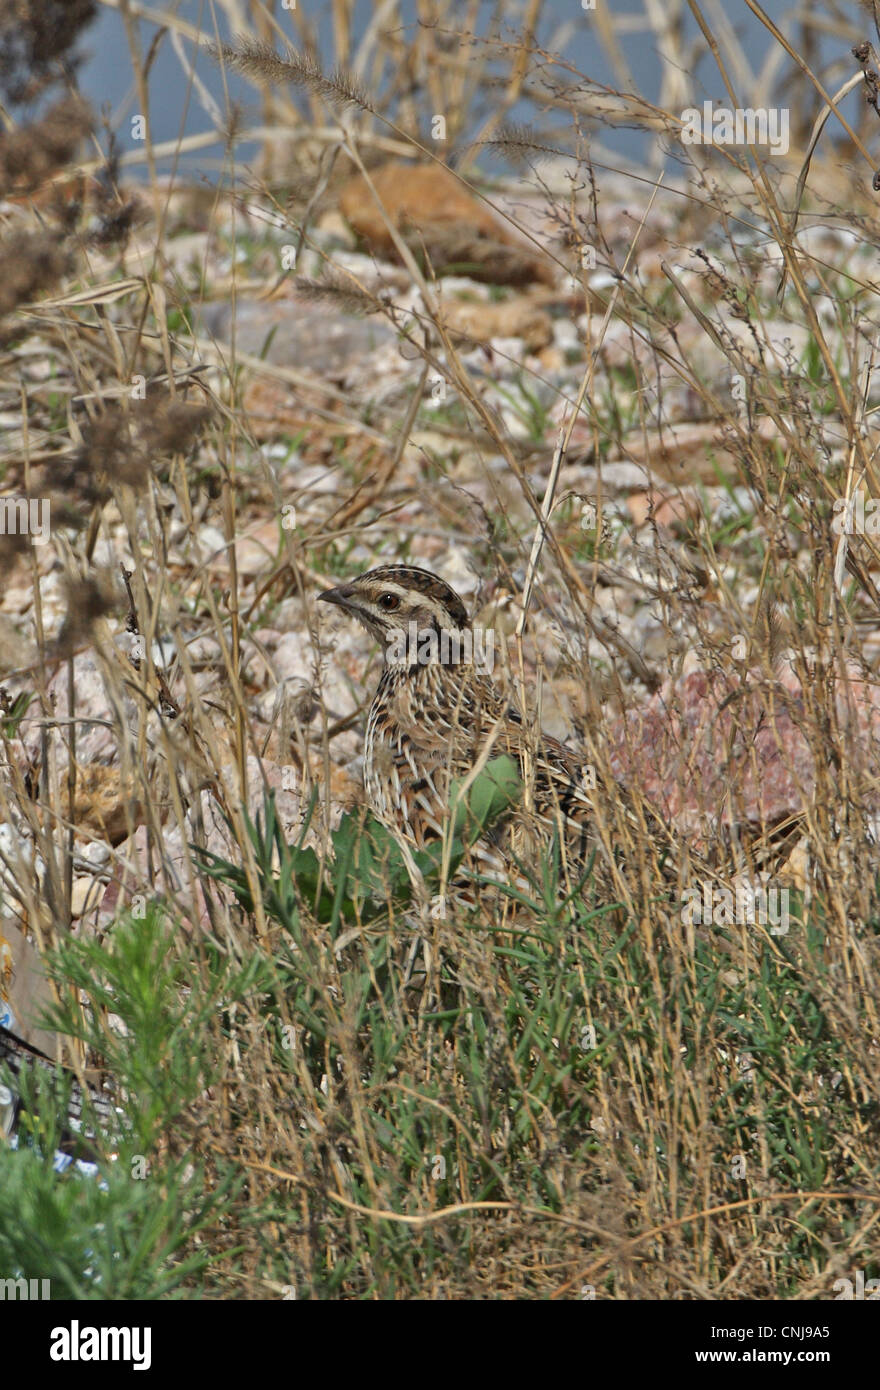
(491,794)
(368,869)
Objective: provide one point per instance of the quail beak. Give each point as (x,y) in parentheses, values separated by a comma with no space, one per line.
(341,596)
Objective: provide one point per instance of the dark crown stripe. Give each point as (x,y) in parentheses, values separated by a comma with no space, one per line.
(422,582)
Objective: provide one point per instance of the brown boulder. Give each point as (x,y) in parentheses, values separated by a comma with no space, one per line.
(441,221)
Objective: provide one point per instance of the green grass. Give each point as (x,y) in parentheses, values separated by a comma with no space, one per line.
(136,1230)
(546,1066)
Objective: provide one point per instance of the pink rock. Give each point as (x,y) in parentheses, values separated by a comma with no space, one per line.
(715,749)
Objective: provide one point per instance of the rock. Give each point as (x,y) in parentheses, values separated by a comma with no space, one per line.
(333,227)
(85,895)
(437,216)
(515,318)
(296,333)
(15,650)
(105,803)
(666,508)
(295,658)
(712,749)
(96,739)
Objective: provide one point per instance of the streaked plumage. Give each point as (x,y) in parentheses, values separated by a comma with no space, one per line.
(436,712)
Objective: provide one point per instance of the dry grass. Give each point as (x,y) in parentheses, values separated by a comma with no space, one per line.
(556,1094)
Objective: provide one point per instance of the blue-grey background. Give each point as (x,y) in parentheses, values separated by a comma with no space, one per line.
(106,76)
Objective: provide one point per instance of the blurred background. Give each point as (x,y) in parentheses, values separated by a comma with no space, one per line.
(645,46)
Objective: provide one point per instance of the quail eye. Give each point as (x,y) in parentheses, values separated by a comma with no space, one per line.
(389,602)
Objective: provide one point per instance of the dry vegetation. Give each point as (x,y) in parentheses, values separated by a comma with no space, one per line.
(230,402)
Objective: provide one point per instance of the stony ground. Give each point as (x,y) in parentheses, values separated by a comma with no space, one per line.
(325,485)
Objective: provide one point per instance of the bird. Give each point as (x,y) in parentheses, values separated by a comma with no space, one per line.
(437,711)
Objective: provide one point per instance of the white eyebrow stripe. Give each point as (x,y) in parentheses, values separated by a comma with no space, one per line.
(390,587)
